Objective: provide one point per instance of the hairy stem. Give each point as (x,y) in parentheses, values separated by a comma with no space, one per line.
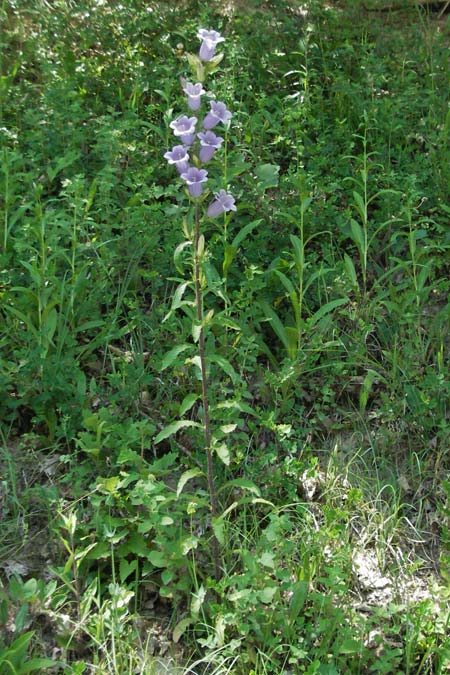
(205,393)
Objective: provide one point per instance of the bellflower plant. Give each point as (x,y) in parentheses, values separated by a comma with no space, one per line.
(197,147)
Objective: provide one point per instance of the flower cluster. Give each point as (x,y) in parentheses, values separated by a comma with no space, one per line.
(200,146)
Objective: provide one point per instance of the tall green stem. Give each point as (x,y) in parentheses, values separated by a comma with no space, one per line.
(205,393)
(7,200)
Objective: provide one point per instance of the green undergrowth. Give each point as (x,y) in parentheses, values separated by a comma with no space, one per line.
(328,369)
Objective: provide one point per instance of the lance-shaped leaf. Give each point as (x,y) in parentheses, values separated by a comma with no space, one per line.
(173,428)
(231,250)
(223,453)
(225,365)
(187,476)
(187,403)
(326,309)
(171,355)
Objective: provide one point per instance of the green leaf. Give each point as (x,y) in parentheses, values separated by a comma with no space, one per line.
(242,483)
(237,405)
(24,318)
(350,646)
(423,276)
(236,165)
(242,234)
(351,272)
(225,366)
(21,617)
(49,324)
(63,163)
(306,202)
(214,62)
(214,280)
(267,594)
(223,453)
(108,485)
(88,325)
(37,664)
(198,600)
(16,652)
(360,206)
(128,456)
(35,274)
(178,295)
(154,127)
(197,66)
(91,195)
(197,362)
(188,544)
(218,526)
(287,283)
(177,255)
(267,560)
(240,595)
(187,476)
(126,569)
(93,451)
(298,599)
(100,551)
(326,309)
(30,588)
(366,388)
(4,614)
(228,257)
(164,464)
(298,250)
(167,576)
(158,559)
(293,297)
(267,175)
(166,520)
(172,429)
(196,330)
(228,428)
(292,338)
(181,627)
(275,323)
(357,234)
(200,245)
(187,403)
(170,357)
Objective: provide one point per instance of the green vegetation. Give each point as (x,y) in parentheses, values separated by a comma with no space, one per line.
(326,334)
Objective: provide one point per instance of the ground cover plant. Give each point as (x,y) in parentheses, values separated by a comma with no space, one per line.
(224,409)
